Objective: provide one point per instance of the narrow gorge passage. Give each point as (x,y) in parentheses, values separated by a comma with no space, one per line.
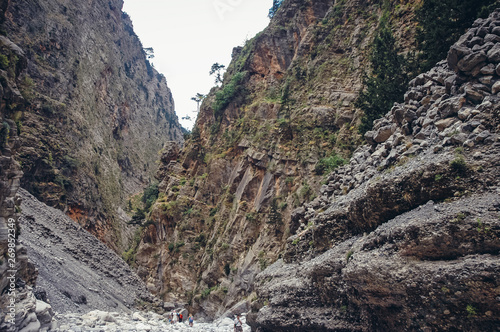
(343,173)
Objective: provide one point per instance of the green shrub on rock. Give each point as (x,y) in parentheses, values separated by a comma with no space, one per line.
(4,134)
(458,164)
(150,195)
(228,93)
(4,62)
(328,164)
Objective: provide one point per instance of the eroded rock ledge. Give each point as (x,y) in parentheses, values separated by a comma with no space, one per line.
(405,237)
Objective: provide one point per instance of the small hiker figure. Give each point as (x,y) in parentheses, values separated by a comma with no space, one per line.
(191,320)
(238,325)
(180,317)
(175,317)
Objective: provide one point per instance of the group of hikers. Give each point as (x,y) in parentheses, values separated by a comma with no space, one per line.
(176,317)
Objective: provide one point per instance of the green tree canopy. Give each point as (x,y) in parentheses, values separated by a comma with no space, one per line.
(388,80)
(217,70)
(442,22)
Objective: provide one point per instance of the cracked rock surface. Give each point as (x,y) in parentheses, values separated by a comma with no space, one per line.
(406,237)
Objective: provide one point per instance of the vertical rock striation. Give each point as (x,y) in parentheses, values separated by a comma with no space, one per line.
(226,199)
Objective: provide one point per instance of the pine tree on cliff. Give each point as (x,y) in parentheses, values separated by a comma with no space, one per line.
(198,99)
(388,81)
(442,22)
(217,71)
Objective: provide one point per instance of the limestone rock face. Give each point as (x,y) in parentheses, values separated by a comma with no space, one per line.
(77,100)
(17,273)
(407,235)
(92,101)
(226,199)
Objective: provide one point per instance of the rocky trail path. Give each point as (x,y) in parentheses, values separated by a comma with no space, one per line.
(83,286)
(100,321)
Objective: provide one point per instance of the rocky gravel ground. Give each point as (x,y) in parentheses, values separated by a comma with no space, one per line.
(84,286)
(101,321)
(76,272)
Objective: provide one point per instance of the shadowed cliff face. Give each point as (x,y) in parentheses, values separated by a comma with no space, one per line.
(226,198)
(406,236)
(13,255)
(78,101)
(93,101)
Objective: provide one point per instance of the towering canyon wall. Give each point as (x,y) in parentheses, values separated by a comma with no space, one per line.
(285,107)
(371,246)
(406,236)
(83,115)
(17,273)
(96,112)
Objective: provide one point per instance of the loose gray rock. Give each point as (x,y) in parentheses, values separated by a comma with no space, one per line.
(77,271)
(95,321)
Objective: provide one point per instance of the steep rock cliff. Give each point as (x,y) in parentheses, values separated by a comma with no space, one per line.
(406,236)
(78,99)
(17,274)
(92,101)
(287,102)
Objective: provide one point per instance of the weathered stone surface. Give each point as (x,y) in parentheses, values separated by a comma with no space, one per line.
(377,240)
(445,123)
(483,135)
(451,106)
(488,70)
(44,313)
(493,38)
(456,53)
(469,62)
(474,95)
(494,54)
(89,275)
(495,88)
(369,276)
(109,111)
(369,136)
(383,134)
(169,306)
(458,139)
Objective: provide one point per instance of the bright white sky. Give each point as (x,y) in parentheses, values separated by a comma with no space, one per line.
(189,36)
